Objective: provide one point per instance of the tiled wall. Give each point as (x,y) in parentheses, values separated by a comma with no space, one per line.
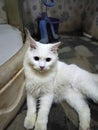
(73,14)
(68,11)
(3,16)
(91,18)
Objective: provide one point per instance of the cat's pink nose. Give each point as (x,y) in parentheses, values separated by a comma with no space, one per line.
(41,67)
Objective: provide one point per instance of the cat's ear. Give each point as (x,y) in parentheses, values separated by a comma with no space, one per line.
(33,44)
(31,41)
(55,47)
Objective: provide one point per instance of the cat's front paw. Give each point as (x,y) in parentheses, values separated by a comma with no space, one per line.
(29,121)
(40,125)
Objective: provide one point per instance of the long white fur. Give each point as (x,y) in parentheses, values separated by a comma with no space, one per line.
(56,82)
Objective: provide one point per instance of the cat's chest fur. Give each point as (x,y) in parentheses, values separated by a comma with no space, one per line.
(39,84)
(52,82)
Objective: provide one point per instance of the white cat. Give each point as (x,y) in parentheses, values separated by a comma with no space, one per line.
(50,80)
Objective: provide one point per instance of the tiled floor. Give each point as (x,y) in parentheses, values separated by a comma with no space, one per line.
(78,50)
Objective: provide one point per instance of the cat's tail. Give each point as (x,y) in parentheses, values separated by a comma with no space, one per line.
(95,76)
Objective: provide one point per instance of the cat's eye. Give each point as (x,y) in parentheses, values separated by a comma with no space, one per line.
(48,59)
(36,58)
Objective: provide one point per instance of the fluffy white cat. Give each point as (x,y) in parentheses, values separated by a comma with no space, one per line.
(51,80)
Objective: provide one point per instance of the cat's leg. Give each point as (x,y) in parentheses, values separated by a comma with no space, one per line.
(45,105)
(30,118)
(76,101)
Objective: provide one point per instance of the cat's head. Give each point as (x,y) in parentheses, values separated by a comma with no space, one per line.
(42,57)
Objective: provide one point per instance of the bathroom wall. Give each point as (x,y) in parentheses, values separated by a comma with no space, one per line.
(68,11)
(73,14)
(70,14)
(90,22)
(3,16)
